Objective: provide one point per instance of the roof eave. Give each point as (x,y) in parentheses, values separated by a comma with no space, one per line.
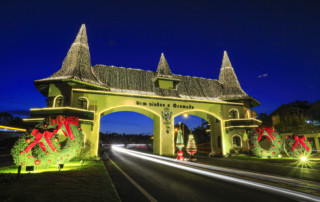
(253,102)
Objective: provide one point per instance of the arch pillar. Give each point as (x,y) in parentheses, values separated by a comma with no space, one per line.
(217,129)
(92,139)
(225,144)
(163,142)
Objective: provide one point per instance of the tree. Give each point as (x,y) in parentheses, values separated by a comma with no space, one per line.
(293,123)
(8,119)
(302,104)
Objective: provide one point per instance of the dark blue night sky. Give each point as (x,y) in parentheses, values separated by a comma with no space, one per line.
(277,39)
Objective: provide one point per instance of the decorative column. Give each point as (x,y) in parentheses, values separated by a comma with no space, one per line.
(180,143)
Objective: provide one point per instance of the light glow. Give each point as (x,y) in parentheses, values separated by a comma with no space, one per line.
(12,128)
(153,96)
(255,185)
(303,159)
(185,115)
(55,108)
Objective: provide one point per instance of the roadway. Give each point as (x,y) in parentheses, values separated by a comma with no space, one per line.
(165,183)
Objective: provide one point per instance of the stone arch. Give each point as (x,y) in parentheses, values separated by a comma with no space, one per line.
(83,98)
(198,112)
(55,101)
(231,113)
(234,137)
(138,109)
(216,127)
(157,125)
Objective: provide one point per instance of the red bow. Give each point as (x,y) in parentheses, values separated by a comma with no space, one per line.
(47,135)
(300,139)
(269,130)
(66,121)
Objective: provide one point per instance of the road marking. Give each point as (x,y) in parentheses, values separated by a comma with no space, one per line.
(144,192)
(296,195)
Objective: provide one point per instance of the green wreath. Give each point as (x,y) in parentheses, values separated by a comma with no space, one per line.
(49,144)
(255,138)
(297,146)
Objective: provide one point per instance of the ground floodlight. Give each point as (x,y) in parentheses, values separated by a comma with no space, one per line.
(303,158)
(60,166)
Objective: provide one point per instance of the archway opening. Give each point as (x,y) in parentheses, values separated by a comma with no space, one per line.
(206,130)
(126,127)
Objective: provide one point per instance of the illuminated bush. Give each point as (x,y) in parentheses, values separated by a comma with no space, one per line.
(49,144)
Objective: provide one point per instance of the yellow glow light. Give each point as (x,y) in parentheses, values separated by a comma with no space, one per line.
(154,96)
(279,156)
(185,115)
(303,159)
(12,128)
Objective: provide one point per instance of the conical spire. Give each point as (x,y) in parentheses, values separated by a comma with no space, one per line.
(225,61)
(163,67)
(77,63)
(229,80)
(82,36)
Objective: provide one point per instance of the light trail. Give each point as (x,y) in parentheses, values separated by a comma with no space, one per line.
(233,171)
(255,185)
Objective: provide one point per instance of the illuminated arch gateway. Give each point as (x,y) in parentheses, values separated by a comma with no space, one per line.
(160,95)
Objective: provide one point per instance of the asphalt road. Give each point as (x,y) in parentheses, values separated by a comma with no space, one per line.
(165,183)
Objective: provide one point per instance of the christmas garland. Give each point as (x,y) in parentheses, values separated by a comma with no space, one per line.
(255,138)
(46,145)
(297,146)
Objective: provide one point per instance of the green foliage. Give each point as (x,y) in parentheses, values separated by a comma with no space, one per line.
(8,119)
(299,149)
(292,123)
(200,135)
(65,148)
(258,151)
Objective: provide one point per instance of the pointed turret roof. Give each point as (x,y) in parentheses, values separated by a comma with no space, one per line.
(77,63)
(163,69)
(229,80)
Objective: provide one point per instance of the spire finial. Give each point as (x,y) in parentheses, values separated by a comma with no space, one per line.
(163,67)
(229,80)
(225,61)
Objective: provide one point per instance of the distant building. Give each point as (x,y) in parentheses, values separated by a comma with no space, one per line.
(284,110)
(287,117)
(314,114)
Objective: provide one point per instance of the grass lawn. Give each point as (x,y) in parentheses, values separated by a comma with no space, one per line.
(75,182)
(313,162)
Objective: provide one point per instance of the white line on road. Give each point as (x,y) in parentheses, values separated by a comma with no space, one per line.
(144,192)
(289,193)
(289,181)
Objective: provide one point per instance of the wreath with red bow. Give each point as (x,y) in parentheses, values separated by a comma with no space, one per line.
(297,146)
(255,137)
(51,142)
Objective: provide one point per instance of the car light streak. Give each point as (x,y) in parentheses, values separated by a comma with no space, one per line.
(234,171)
(256,185)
